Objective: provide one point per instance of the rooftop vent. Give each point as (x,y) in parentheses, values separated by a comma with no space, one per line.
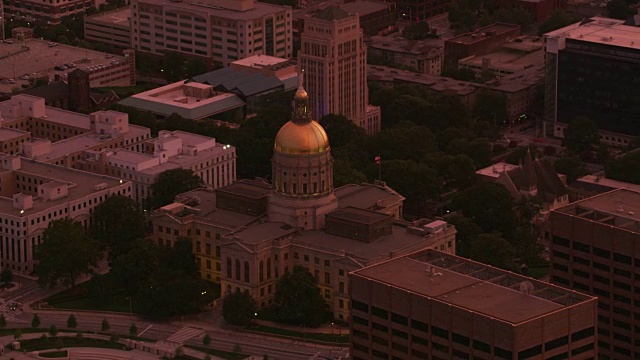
(620,209)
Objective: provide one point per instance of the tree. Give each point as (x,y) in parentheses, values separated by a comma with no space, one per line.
(173,66)
(65,254)
(298,298)
(341,131)
(35,321)
(493,250)
(72,322)
(117,223)
(467,233)
(581,135)
(114,337)
(6,276)
(344,173)
(206,340)
(558,19)
(3,321)
(53,330)
(571,166)
(105,325)
(180,257)
(489,205)
(133,330)
(619,9)
(417,31)
(195,66)
(171,183)
(625,168)
(133,270)
(79,337)
(17,334)
(238,308)
(491,107)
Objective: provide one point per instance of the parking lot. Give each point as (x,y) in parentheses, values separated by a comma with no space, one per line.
(41,59)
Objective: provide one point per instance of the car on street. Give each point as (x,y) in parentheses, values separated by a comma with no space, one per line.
(52,44)
(24,77)
(60,67)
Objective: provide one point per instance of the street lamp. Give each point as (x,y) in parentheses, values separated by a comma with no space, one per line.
(130,307)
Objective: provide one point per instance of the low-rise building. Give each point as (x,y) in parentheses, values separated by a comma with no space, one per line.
(110,28)
(478,42)
(423,56)
(375,16)
(434,305)
(47,12)
(592,185)
(33,193)
(512,57)
(105,143)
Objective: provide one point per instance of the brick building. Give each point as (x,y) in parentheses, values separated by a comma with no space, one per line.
(375,16)
(539,9)
(481,41)
(433,305)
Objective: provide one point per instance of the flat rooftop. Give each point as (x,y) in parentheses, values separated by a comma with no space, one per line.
(171,98)
(364,7)
(247,188)
(358,215)
(117,17)
(259,61)
(618,208)
(81,184)
(509,59)
(42,60)
(476,287)
(610,183)
(8,134)
(480,33)
(259,10)
(181,160)
(496,169)
(366,196)
(602,31)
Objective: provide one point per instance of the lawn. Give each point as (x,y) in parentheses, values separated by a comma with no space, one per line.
(45,343)
(222,354)
(78,298)
(334,338)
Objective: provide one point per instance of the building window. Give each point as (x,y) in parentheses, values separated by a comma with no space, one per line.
(269,268)
(246,271)
(261,271)
(229,267)
(237,269)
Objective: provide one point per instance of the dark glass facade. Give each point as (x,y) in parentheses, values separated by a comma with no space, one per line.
(602,82)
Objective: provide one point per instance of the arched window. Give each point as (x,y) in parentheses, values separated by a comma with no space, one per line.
(246,271)
(237,269)
(261,271)
(229,267)
(269,268)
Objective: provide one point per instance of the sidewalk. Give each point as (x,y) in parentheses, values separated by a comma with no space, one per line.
(322,329)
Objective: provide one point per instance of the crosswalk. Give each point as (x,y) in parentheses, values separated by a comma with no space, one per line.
(184,334)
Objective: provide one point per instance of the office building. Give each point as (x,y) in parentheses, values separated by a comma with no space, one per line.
(592,185)
(334,58)
(219,31)
(592,71)
(482,41)
(47,12)
(33,193)
(422,56)
(595,249)
(105,143)
(375,16)
(246,235)
(433,305)
(110,28)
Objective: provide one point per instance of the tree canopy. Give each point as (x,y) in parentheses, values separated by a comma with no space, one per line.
(171,183)
(417,31)
(493,249)
(118,222)
(625,168)
(239,308)
(490,205)
(581,135)
(298,298)
(559,18)
(571,166)
(65,254)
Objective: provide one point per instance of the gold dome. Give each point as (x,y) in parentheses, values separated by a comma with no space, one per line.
(301,138)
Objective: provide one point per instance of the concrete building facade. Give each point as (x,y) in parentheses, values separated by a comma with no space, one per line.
(34,193)
(110,27)
(246,235)
(595,250)
(47,12)
(423,56)
(333,56)
(433,305)
(481,41)
(218,31)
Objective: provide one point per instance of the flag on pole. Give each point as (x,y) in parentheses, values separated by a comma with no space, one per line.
(377,159)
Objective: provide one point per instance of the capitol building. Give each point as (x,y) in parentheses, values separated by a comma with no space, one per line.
(247,234)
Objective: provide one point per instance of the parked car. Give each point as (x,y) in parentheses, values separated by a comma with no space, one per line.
(52,44)
(70,65)
(8,41)
(24,77)
(60,67)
